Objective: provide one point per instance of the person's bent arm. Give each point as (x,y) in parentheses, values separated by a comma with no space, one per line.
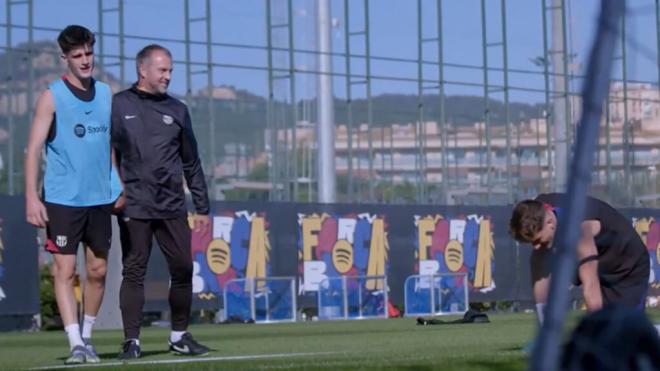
(192,170)
(115,154)
(43,117)
(540,270)
(587,255)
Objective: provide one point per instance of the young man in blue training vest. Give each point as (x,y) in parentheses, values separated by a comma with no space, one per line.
(72,121)
(613,263)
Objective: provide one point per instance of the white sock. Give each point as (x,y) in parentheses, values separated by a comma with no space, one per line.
(540,308)
(73,333)
(88,323)
(176,336)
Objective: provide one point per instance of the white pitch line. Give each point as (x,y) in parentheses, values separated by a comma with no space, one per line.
(184,360)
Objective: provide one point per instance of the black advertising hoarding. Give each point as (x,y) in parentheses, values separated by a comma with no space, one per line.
(647,224)
(471,240)
(19,273)
(315,241)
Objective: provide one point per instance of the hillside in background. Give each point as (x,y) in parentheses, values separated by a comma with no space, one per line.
(240,115)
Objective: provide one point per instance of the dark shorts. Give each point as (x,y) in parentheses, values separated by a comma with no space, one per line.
(69,225)
(630,290)
(633,296)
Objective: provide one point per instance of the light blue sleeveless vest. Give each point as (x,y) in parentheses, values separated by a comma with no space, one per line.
(79,169)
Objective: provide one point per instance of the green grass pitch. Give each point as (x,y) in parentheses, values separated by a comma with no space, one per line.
(367,345)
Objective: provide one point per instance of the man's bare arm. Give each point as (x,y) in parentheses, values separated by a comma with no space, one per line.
(120,202)
(540,270)
(587,255)
(43,117)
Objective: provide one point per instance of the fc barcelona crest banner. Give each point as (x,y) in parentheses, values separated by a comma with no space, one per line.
(236,246)
(648,228)
(462,244)
(334,245)
(318,242)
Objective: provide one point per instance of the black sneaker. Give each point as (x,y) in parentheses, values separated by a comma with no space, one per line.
(188,346)
(129,350)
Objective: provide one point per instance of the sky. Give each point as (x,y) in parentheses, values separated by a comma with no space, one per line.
(241,25)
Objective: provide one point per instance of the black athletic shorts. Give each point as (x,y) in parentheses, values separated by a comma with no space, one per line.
(69,225)
(630,290)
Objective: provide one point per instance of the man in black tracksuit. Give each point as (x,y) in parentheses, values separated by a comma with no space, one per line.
(155,148)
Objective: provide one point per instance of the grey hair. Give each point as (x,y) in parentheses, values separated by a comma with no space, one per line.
(144,54)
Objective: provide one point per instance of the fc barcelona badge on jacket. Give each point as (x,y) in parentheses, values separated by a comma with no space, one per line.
(168,120)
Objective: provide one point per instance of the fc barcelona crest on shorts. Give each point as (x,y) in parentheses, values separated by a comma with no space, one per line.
(60,241)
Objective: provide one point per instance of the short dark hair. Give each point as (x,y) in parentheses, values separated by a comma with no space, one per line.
(73,36)
(527,220)
(145,53)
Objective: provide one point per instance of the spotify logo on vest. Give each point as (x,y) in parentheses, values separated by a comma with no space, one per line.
(79,130)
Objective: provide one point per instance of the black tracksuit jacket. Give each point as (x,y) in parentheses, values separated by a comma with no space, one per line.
(156,148)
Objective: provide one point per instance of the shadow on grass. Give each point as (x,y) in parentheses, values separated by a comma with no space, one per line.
(113,356)
(520,348)
(144,354)
(498,365)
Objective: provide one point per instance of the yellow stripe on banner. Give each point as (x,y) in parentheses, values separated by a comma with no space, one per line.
(77,289)
(425,228)
(642,227)
(483,276)
(256,266)
(205,296)
(377,254)
(311,226)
